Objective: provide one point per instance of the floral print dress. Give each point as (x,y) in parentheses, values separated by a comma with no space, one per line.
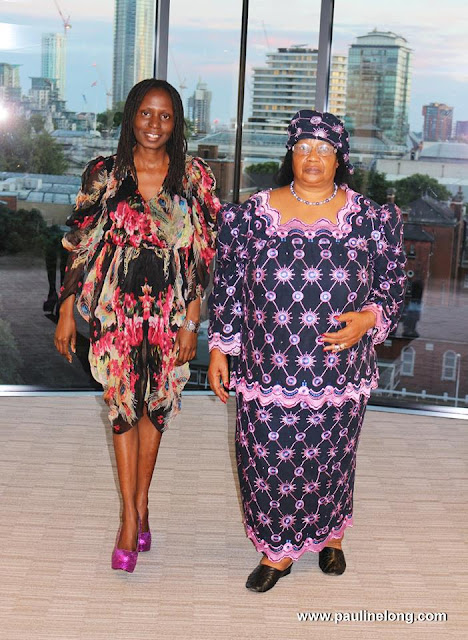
(278,287)
(134,266)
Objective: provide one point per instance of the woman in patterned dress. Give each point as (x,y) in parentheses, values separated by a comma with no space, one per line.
(309,277)
(142,239)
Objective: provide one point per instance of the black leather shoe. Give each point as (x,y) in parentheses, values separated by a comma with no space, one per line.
(264,577)
(332,561)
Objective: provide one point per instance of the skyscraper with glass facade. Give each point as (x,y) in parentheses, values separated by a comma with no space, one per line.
(199,105)
(379,83)
(287,83)
(133,45)
(53,60)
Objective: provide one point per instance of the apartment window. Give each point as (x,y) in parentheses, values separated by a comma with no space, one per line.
(449,366)
(408,356)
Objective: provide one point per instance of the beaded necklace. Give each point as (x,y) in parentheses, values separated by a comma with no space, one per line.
(291,188)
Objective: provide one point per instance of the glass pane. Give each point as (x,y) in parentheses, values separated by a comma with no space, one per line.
(56,68)
(203,66)
(407,115)
(280,79)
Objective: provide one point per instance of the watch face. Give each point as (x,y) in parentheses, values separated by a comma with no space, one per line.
(190,325)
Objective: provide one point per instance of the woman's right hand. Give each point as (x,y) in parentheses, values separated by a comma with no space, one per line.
(65,333)
(218,374)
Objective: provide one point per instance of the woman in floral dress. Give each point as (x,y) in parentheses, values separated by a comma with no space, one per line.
(141,243)
(309,277)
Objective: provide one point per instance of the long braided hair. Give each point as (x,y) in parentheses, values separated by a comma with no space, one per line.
(176,146)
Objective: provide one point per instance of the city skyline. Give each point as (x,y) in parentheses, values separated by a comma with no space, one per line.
(438,72)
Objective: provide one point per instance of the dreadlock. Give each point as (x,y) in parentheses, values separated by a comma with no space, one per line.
(176,146)
(285,173)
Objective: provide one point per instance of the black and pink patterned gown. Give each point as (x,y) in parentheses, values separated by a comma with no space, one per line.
(278,287)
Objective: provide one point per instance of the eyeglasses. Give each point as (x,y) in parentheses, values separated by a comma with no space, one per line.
(323,149)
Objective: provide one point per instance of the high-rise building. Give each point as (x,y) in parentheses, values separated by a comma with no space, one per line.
(437,122)
(53,60)
(461,130)
(379,84)
(337,89)
(133,45)
(287,83)
(199,105)
(10,86)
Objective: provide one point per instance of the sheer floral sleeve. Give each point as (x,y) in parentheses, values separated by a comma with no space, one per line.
(84,224)
(200,182)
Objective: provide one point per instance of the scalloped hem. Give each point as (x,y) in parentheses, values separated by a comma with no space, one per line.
(292,551)
(314,400)
(229,346)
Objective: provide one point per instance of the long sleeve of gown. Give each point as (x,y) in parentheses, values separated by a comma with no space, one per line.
(226,306)
(205,208)
(82,222)
(387,292)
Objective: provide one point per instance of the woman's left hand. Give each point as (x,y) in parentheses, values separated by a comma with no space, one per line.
(185,346)
(357,324)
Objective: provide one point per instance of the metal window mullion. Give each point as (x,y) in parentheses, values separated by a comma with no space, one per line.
(161,40)
(240,102)
(324,55)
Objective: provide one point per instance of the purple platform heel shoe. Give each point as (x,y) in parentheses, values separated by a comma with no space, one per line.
(144,539)
(122,558)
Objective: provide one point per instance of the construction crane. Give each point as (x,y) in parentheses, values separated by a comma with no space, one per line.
(182,81)
(103,82)
(66,21)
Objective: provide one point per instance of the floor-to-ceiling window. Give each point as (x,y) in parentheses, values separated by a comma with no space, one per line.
(57,112)
(406,109)
(398,84)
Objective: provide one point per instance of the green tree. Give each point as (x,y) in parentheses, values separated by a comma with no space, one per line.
(413,187)
(358,180)
(377,186)
(22,230)
(111,118)
(37,122)
(262,167)
(16,147)
(47,156)
(23,151)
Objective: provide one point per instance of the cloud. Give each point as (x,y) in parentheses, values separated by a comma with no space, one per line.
(82,10)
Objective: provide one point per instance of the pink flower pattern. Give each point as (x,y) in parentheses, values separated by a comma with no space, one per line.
(134,266)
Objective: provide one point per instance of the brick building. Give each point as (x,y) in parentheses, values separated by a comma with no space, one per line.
(447,227)
(437,122)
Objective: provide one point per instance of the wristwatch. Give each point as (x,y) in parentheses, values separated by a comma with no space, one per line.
(192,326)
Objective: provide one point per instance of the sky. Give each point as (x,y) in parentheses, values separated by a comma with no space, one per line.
(204,43)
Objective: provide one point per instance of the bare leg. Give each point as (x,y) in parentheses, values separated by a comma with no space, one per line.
(149,441)
(126,455)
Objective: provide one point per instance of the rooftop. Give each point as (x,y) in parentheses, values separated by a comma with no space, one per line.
(39,187)
(430,210)
(450,151)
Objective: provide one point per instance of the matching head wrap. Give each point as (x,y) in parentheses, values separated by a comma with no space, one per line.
(321,126)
